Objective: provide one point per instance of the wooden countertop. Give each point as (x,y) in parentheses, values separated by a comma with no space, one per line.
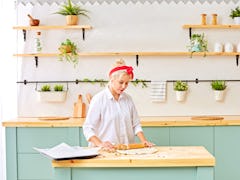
(170,156)
(145,121)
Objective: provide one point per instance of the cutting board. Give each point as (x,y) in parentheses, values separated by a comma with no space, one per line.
(51,118)
(207,118)
(79,108)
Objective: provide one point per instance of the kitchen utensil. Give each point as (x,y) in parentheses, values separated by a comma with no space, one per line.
(129,146)
(32,21)
(89,97)
(207,118)
(79,108)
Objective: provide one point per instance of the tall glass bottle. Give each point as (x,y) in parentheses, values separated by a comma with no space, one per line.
(38,43)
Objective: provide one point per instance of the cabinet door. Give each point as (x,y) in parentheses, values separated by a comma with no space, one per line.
(227,152)
(27,138)
(192,136)
(157,135)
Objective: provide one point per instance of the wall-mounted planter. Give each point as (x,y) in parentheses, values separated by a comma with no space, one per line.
(181,95)
(52,96)
(219,95)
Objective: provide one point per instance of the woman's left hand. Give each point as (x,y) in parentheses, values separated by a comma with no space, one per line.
(148,144)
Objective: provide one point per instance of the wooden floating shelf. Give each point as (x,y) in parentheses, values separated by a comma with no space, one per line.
(136,53)
(209,26)
(52,27)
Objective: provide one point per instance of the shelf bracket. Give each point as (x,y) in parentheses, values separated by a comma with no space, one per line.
(83,33)
(237,58)
(36,61)
(137,57)
(190,33)
(24,34)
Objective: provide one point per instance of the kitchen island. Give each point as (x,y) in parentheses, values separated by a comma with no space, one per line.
(168,163)
(219,137)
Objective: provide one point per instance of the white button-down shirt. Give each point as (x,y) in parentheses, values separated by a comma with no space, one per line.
(111,120)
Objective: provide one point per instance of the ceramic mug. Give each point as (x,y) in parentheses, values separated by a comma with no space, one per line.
(228,47)
(218,47)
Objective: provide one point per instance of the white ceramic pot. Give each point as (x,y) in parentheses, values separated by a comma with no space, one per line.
(51,96)
(218,47)
(219,95)
(228,47)
(238,47)
(236,20)
(181,95)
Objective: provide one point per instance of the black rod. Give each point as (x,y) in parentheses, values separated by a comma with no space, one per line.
(146,81)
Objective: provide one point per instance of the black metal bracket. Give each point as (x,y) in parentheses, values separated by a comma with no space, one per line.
(196,81)
(36,61)
(83,33)
(190,33)
(237,58)
(137,57)
(24,34)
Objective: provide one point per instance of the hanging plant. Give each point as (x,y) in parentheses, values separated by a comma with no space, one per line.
(69,52)
(198,43)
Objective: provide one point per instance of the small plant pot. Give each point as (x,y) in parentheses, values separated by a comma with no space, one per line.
(51,96)
(72,19)
(181,95)
(219,95)
(236,20)
(65,49)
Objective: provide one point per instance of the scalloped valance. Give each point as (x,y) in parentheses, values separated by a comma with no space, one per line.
(41,2)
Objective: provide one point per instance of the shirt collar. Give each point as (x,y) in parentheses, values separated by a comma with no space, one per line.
(110,96)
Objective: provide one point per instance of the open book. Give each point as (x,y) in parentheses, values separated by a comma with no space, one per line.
(63,151)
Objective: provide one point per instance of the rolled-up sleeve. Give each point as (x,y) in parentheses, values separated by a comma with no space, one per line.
(136,120)
(92,119)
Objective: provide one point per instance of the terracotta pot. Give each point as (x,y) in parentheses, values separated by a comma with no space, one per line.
(65,49)
(72,19)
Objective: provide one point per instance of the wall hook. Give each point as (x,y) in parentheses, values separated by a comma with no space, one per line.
(196,81)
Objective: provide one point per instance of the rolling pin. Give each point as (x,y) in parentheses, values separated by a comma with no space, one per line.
(129,146)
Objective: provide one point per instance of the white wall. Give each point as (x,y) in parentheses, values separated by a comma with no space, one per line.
(132,27)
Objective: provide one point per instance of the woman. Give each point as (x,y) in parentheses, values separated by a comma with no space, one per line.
(112,117)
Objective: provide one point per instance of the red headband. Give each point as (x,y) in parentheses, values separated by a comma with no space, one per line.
(128,69)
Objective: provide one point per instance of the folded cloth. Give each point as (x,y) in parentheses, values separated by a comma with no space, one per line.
(158,91)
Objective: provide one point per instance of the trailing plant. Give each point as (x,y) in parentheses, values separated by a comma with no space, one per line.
(235,12)
(104,82)
(180,86)
(137,81)
(218,85)
(46,88)
(69,52)
(70,9)
(58,87)
(198,43)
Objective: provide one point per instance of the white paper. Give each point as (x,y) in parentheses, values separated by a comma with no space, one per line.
(64,151)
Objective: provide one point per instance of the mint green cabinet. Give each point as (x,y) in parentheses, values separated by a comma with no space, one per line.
(227,152)
(23,162)
(157,135)
(193,136)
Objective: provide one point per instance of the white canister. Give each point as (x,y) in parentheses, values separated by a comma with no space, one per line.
(238,47)
(228,47)
(218,47)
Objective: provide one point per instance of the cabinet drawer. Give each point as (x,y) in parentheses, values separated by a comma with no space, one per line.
(34,166)
(27,138)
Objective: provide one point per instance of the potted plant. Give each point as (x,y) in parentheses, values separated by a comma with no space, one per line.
(181,90)
(219,87)
(72,12)
(69,52)
(198,43)
(235,15)
(47,95)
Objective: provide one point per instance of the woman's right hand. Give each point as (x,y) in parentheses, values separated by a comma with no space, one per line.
(107,146)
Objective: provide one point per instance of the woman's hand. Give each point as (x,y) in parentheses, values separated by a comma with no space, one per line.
(147,143)
(107,146)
